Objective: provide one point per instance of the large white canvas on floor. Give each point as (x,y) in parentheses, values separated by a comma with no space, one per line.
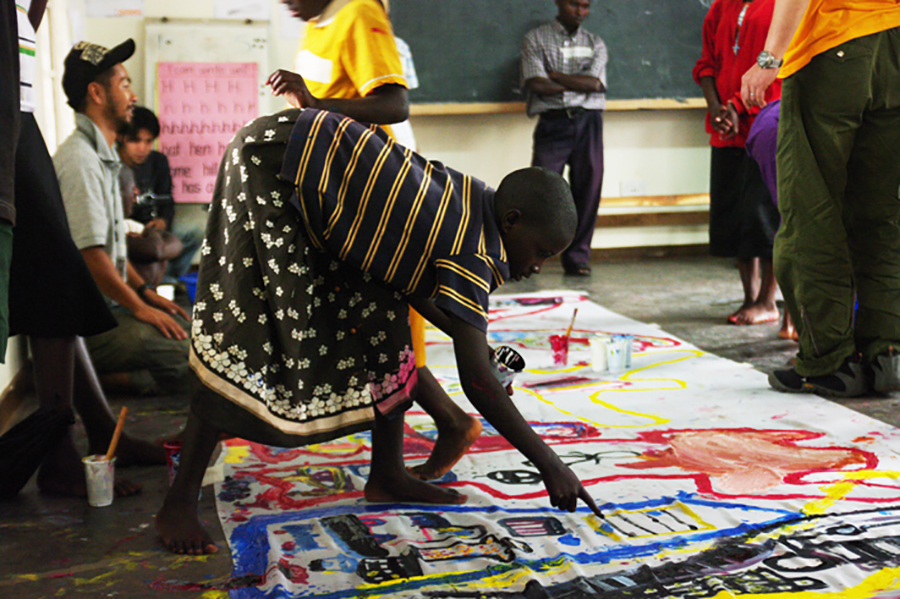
(712,485)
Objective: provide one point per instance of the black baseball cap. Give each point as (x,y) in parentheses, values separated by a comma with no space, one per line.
(85,62)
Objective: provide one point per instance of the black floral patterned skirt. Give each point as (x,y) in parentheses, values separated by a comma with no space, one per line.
(308,346)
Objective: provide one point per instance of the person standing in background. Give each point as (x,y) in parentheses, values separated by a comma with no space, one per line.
(349,64)
(742,217)
(53,299)
(838,176)
(564,74)
(762,145)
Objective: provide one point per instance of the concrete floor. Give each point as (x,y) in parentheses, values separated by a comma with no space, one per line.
(57,547)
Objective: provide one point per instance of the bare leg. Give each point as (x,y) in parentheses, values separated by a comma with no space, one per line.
(788,331)
(15,394)
(177,521)
(61,472)
(389,480)
(748,268)
(457,431)
(99,420)
(763,308)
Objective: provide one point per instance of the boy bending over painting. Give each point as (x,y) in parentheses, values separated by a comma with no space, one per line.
(322,233)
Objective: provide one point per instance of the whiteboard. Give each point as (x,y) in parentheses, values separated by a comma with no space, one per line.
(187,40)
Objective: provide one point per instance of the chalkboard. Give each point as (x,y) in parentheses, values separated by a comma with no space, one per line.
(468,50)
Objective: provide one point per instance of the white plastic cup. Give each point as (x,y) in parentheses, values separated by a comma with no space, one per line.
(100,475)
(616,350)
(167,291)
(598,353)
(629,346)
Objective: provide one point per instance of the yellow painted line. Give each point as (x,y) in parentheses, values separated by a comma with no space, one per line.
(653,420)
(837,491)
(236,454)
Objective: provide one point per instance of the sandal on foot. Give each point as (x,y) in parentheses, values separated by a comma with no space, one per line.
(847,381)
(885,370)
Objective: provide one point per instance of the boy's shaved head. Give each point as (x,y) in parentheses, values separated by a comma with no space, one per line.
(543,197)
(536,216)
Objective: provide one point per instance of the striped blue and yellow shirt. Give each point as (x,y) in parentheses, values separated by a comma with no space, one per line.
(422,228)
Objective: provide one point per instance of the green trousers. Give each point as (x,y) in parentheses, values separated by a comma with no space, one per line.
(838,180)
(157,364)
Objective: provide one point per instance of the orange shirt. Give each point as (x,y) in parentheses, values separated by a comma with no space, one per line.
(830,23)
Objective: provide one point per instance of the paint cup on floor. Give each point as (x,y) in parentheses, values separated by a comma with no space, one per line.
(616,350)
(100,475)
(560,346)
(507,363)
(598,345)
(167,291)
(629,344)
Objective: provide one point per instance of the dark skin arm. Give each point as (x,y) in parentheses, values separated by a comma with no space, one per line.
(112,285)
(718,112)
(439,318)
(493,402)
(384,105)
(36,13)
(557,83)
(578,83)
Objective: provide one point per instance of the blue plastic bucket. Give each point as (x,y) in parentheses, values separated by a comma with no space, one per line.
(190,281)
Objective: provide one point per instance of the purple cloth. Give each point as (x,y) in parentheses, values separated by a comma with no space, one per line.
(762,145)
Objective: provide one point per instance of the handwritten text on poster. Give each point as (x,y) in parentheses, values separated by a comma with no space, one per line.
(201,106)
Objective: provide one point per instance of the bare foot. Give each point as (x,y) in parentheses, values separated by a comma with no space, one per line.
(180,530)
(135,452)
(408,489)
(732,318)
(450,447)
(62,473)
(788,331)
(755,314)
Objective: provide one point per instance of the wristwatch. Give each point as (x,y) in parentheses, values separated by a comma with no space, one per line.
(765,60)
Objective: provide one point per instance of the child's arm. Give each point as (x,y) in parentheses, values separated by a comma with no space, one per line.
(384,105)
(493,402)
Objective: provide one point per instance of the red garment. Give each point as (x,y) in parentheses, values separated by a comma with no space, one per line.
(718,59)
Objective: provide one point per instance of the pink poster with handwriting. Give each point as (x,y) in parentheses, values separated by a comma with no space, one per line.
(201,106)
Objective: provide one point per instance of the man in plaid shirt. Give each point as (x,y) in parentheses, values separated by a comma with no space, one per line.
(564,75)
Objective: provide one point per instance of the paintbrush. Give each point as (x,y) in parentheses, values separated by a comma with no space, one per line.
(116,434)
(571,324)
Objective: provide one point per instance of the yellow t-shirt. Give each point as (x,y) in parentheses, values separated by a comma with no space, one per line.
(830,23)
(349,50)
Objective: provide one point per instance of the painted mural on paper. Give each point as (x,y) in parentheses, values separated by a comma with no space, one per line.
(712,486)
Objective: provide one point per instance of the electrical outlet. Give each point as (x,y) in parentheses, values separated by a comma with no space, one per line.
(632,187)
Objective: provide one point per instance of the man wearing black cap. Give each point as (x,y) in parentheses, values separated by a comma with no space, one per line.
(151,334)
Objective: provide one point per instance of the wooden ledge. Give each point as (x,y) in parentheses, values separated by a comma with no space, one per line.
(464,108)
(692,199)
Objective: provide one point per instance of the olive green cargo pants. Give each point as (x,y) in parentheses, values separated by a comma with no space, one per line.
(838,180)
